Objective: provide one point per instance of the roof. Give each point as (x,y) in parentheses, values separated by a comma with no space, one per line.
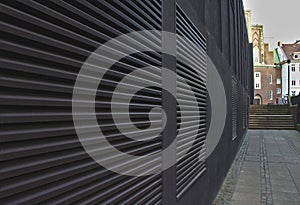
(276,57)
(289,49)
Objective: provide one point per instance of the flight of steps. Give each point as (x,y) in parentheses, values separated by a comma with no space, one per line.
(271,117)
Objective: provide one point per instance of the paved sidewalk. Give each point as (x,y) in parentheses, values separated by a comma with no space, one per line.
(265,171)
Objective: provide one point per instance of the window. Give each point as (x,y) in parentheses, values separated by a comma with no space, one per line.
(278,81)
(270,78)
(278,91)
(293,67)
(271,94)
(296,55)
(256,54)
(293,82)
(257,80)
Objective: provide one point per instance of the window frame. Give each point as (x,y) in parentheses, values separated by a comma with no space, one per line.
(278,91)
(293,67)
(278,81)
(271,94)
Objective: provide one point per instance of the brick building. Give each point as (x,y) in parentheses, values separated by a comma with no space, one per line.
(267,84)
(267,77)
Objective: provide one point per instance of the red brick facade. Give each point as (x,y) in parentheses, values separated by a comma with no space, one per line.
(266,87)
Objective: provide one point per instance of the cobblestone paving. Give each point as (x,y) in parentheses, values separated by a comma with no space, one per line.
(266,170)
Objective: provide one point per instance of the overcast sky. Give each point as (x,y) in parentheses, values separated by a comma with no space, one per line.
(281,19)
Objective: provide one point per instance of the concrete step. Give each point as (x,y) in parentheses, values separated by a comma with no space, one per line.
(271,117)
(279,127)
(271,125)
(269,108)
(270,120)
(264,121)
(266,108)
(271,112)
(271,128)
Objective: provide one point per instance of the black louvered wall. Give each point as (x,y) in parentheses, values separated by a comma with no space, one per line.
(191,94)
(44,44)
(234,107)
(245,110)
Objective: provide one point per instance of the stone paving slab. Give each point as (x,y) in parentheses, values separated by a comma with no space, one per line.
(266,170)
(244,202)
(285,202)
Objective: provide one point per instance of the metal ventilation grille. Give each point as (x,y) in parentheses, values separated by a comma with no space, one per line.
(234,101)
(44,46)
(191,85)
(245,104)
(248,112)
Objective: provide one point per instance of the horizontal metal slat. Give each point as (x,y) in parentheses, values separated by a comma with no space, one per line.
(143,188)
(187,183)
(24,116)
(182,19)
(191,94)
(22,16)
(234,101)
(42,59)
(190,75)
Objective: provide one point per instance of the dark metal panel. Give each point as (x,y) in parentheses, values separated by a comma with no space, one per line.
(245,109)
(191,87)
(44,46)
(234,108)
(169,102)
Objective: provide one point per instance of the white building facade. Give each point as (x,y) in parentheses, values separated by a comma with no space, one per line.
(291,52)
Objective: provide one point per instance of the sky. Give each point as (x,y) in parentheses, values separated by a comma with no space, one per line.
(281,19)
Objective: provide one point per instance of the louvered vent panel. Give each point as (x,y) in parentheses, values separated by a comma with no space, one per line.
(239,105)
(44,45)
(234,101)
(244,109)
(248,111)
(191,95)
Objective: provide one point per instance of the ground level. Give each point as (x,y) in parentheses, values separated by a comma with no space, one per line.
(265,171)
